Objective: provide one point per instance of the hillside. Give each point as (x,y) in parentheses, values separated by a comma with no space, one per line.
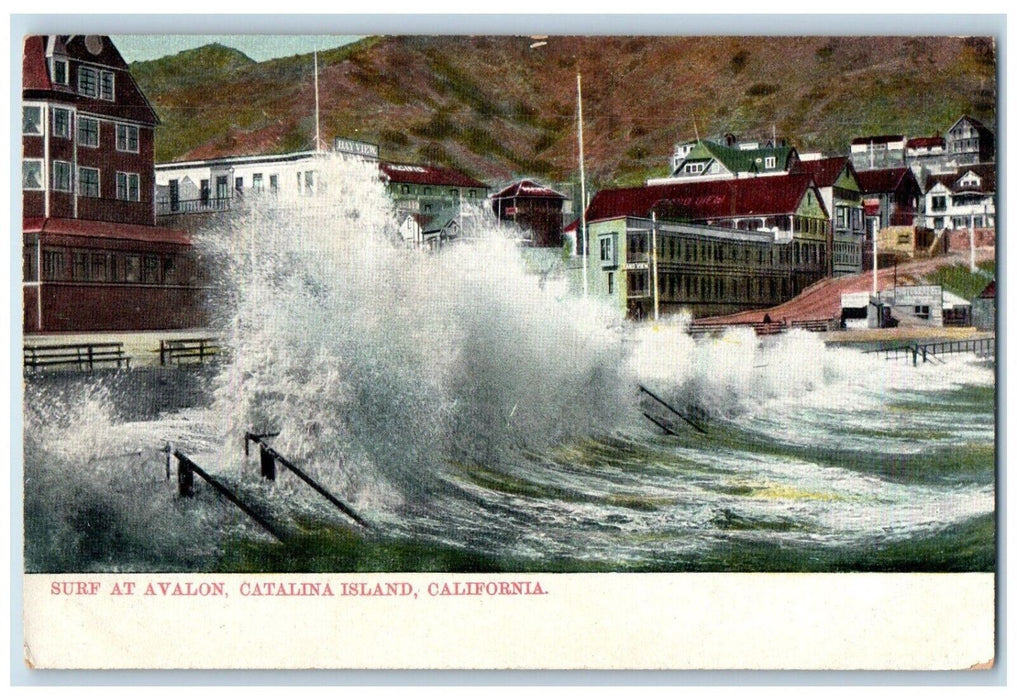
(497,108)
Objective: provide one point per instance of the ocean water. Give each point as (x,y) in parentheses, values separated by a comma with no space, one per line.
(481,419)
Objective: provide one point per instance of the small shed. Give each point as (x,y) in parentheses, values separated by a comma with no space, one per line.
(983,308)
(534,207)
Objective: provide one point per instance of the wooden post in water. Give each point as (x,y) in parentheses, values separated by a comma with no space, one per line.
(267,464)
(185,478)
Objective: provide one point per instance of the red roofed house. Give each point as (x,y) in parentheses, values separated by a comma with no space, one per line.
(533,207)
(93,258)
(722,246)
(426,189)
(897,192)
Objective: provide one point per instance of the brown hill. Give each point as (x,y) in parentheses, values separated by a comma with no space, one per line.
(497,108)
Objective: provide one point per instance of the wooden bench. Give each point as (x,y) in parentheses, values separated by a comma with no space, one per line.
(189,351)
(83,356)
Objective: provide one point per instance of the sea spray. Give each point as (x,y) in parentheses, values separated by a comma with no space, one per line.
(381,364)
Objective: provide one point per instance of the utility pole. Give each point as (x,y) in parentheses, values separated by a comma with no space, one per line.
(971,235)
(656,279)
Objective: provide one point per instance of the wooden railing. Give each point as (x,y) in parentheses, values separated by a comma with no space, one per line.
(82,356)
(188,351)
(193,206)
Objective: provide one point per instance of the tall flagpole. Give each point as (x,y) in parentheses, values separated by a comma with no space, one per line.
(317,120)
(582,187)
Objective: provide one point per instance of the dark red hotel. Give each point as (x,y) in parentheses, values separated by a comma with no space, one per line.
(93,258)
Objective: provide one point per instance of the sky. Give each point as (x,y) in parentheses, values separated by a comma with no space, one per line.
(142,47)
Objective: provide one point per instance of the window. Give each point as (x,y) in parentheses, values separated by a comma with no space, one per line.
(88,182)
(452,194)
(922,312)
(31,121)
(128,187)
(472,194)
(79,265)
(60,178)
(88,132)
(222,189)
(31,175)
(98,273)
(132,268)
(427,190)
(150,272)
(309,182)
(238,185)
(610,283)
(939,203)
(60,75)
(406,189)
(127,138)
(106,85)
(88,81)
(52,265)
(770,162)
(273,183)
(256,183)
(61,123)
(169,271)
(174,195)
(607,250)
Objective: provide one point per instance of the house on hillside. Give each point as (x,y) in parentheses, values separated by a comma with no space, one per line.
(895,191)
(535,208)
(963,199)
(708,160)
(878,152)
(93,257)
(969,141)
(842,196)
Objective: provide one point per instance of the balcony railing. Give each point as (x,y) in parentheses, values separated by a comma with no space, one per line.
(193,206)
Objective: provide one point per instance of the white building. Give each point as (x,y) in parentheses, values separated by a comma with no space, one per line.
(962,199)
(210,185)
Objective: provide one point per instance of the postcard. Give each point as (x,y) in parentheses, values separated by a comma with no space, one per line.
(509,352)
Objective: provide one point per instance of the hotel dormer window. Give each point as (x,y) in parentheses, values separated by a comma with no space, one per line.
(88,81)
(771,162)
(61,75)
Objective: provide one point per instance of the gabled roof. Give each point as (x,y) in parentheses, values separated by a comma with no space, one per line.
(130,102)
(977,125)
(884,180)
(986,173)
(882,138)
(427,175)
(696,201)
(105,229)
(989,292)
(737,160)
(951,181)
(826,171)
(529,189)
